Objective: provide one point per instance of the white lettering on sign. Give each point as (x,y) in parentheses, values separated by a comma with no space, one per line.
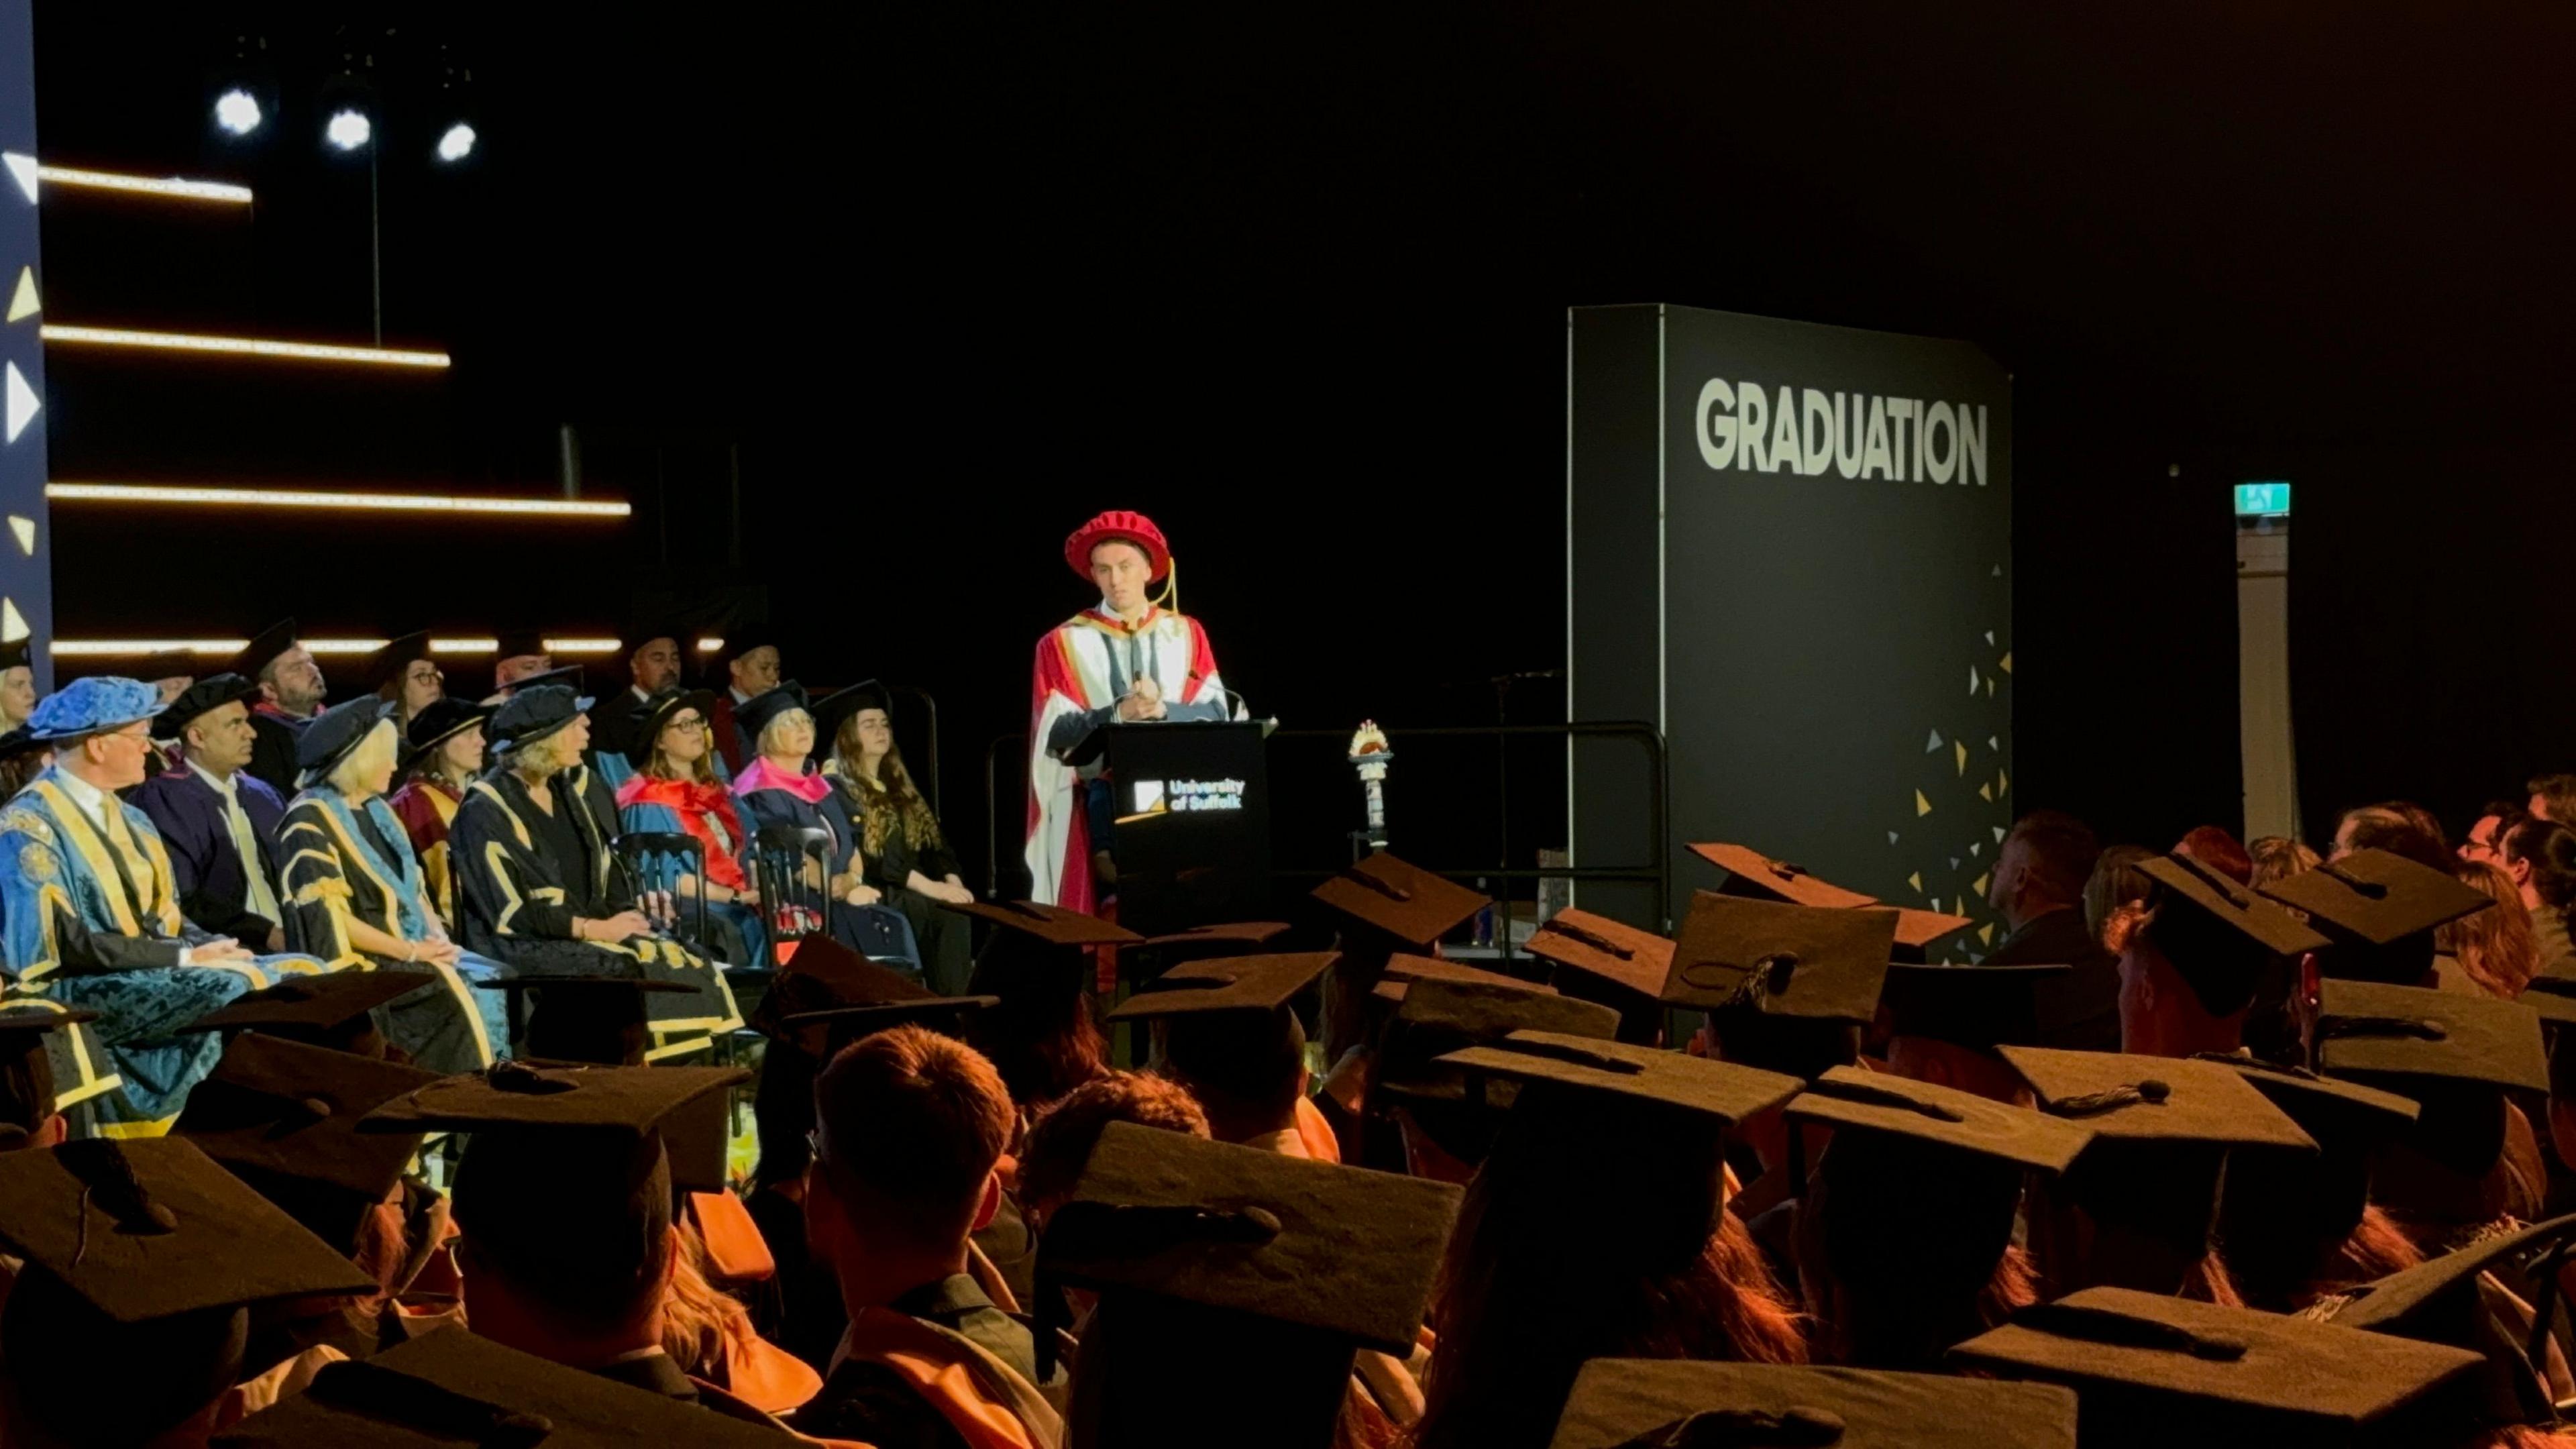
(1748,428)
(1169,795)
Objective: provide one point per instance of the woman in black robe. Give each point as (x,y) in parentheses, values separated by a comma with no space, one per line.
(903,853)
(780,789)
(540,886)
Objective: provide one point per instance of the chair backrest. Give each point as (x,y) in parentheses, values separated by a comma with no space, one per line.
(795,905)
(657,859)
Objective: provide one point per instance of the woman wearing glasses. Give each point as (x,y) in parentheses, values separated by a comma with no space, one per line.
(675,791)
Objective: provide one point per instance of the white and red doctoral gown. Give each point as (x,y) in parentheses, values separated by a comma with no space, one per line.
(1083,668)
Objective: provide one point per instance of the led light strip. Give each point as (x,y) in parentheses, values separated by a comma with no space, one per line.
(242,346)
(315,498)
(172,186)
(137,648)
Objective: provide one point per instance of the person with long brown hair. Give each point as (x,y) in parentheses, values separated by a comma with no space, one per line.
(2497,951)
(901,849)
(2295,1229)
(1597,1227)
(1042,1034)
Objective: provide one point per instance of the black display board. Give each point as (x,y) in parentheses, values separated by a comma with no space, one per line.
(1789,546)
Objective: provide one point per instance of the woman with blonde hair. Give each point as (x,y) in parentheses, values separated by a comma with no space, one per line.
(781,790)
(2497,950)
(901,849)
(355,895)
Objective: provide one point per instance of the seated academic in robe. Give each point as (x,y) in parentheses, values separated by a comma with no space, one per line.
(359,898)
(521,657)
(748,669)
(218,821)
(405,676)
(17,683)
(540,885)
(904,854)
(652,667)
(92,915)
(291,690)
(1122,660)
(779,789)
(443,752)
(674,790)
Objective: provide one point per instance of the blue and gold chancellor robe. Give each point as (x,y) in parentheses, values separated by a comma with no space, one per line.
(521,879)
(346,863)
(89,918)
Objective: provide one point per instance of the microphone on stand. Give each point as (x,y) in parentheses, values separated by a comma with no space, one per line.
(1242,710)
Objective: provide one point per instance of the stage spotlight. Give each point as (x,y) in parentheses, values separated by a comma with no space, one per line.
(237,112)
(349,130)
(457,143)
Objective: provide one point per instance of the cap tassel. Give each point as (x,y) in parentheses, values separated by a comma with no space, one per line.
(512,1075)
(418,1404)
(109,1183)
(1793,1428)
(2150,1093)
(2101,1325)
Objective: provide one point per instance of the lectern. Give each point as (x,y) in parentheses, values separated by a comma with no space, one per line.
(1192,803)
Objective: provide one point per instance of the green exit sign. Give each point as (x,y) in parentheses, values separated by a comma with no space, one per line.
(2262,500)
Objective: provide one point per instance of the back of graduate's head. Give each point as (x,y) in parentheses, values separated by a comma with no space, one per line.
(78,1376)
(567,1233)
(1247,1068)
(1060,1142)
(909,1125)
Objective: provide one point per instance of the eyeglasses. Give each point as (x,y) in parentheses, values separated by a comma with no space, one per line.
(690,726)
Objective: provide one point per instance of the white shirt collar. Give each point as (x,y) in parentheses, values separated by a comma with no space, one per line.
(228,786)
(84,794)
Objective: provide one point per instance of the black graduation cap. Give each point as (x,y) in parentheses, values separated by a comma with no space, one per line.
(532,712)
(457,1388)
(518,643)
(2140,1099)
(1630,963)
(1957,1122)
(336,731)
(2153,1369)
(2323,1106)
(1626,1074)
(2411,1302)
(840,704)
(1440,1015)
(2416,1034)
(1781,960)
(263,649)
(754,716)
(147,1228)
(18,654)
(652,716)
(1232,1276)
(166,664)
(283,1116)
(1231,984)
(445,718)
(594,1134)
(1625,1403)
(597,1019)
(2378,897)
(386,665)
(827,996)
(1979,1007)
(330,1009)
(1049,925)
(210,693)
(1404,969)
(1751,873)
(1395,899)
(2220,936)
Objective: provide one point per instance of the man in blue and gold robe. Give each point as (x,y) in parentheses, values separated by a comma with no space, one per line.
(90,913)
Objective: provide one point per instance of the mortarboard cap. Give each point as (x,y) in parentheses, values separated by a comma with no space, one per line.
(1963,1122)
(2221,898)
(2408,1302)
(90,706)
(153,1227)
(166,664)
(1396,899)
(1751,873)
(276,1109)
(2149,1368)
(2219,935)
(457,1388)
(1630,960)
(2369,1029)
(511,1096)
(754,715)
(1237,983)
(1980,1007)
(1050,925)
(386,665)
(820,976)
(1403,969)
(17,654)
(1339,1250)
(1634,1403)
(1781,960)
(323,744)
(830,710)
(1440,1015)
(563,676)
(1625,1072)
(532,712)
(193,703)
(522,642)
(444,719)
(28,1030)
(2322,1105)
(652,716)
(2126,1098)
(2378,897)
(1916,929)
(1198,943)
(21,741)
(312,1007)
(263,649)
(600,1020)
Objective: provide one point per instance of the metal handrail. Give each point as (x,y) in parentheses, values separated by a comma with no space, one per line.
(1656,872)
